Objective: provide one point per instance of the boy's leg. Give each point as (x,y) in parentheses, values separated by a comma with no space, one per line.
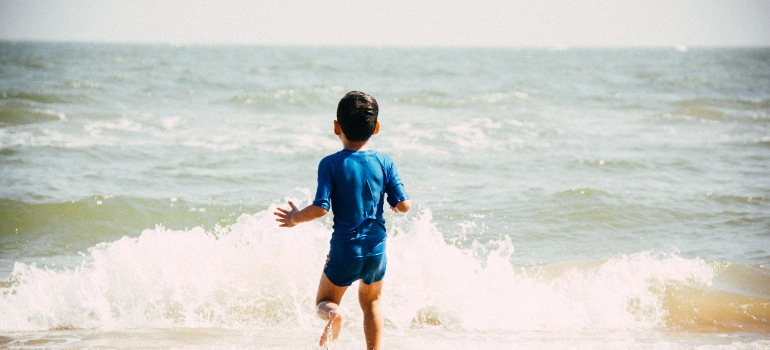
(369,298)
(328,301)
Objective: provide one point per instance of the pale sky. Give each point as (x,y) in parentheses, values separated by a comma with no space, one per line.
(393,22)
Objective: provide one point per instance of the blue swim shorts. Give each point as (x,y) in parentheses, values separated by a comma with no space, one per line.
(342,269)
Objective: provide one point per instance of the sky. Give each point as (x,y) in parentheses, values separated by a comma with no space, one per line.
(507,23)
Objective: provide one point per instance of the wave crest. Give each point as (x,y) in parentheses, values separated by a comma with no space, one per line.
(253,273)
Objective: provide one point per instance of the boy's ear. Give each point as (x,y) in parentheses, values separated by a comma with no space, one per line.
(376,128)
(337,128)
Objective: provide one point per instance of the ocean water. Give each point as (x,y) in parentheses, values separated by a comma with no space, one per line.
(577,198)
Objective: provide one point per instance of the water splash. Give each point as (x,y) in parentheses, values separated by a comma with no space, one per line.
(254,274)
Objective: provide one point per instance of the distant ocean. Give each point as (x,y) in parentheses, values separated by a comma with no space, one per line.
(570,198)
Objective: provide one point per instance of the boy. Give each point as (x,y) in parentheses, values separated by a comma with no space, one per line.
(353,182)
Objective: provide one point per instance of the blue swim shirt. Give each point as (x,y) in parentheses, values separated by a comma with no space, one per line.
(353,184)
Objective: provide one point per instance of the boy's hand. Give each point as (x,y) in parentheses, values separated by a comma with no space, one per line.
(402,206)
(286,217)
(290,218)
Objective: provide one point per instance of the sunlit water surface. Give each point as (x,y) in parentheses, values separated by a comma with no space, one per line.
(579,198)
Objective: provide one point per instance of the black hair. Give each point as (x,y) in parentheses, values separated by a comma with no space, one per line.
(357,115)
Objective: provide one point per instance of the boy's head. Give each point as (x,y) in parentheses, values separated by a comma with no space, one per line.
(357,116)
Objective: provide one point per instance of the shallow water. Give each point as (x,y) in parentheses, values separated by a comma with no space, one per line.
(579,198)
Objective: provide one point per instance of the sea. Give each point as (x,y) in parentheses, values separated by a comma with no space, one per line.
(563,198)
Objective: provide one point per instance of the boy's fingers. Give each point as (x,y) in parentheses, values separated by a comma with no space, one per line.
(283,215)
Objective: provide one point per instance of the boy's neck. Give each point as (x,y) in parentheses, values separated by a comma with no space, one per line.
(355,145)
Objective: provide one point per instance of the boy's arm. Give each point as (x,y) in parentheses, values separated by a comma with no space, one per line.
(290,218)
(402,206)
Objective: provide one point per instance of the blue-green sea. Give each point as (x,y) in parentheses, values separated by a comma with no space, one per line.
(564,198)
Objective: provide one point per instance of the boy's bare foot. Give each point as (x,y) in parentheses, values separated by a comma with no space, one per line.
(332,330)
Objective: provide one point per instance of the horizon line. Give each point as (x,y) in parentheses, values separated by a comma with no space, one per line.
(556,47)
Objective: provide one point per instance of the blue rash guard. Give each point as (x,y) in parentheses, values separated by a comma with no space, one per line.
(353,184)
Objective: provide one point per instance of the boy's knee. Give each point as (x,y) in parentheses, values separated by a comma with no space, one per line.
(337,316)
(329,311)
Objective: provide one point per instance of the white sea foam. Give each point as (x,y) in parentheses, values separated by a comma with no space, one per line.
(468,136)
(123,124)
(255,274)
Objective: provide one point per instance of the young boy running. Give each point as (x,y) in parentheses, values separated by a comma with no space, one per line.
(353,183)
